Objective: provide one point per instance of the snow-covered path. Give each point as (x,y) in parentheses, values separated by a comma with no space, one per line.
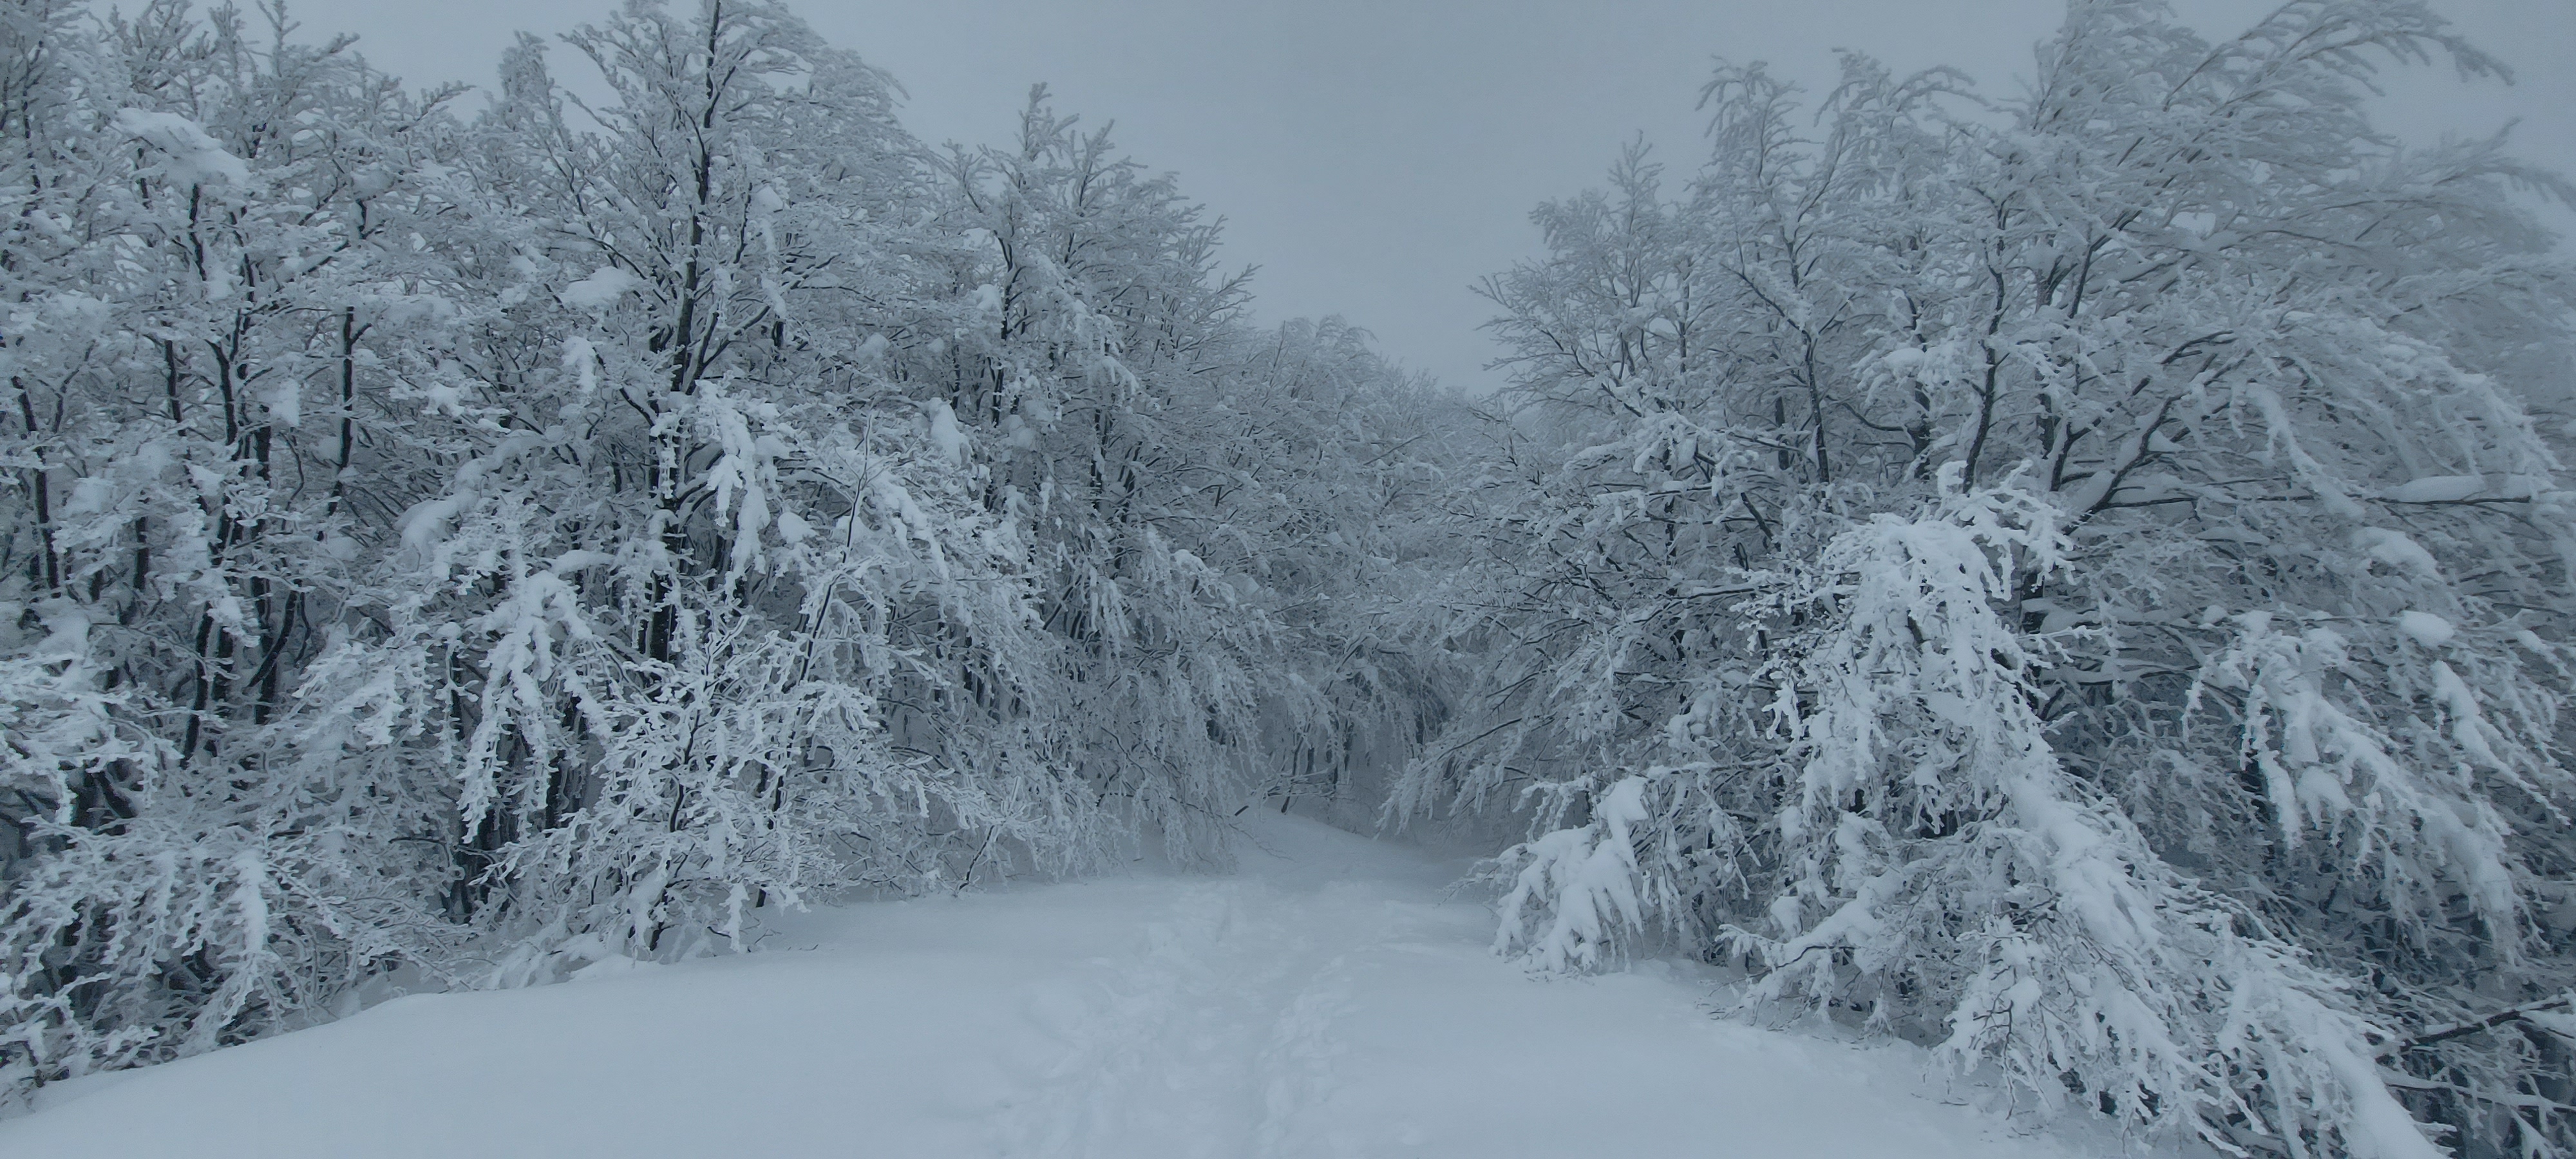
(1323,1002)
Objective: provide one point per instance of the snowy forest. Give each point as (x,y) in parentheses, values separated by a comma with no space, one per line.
(2075,579)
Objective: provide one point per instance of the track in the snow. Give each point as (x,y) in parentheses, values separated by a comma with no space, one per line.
(1326,1001)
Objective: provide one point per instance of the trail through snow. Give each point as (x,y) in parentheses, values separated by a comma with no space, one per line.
(1325,1001)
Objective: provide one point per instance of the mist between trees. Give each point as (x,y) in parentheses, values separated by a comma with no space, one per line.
(2079,581)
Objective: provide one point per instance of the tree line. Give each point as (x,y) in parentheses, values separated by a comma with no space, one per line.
(448,549)
(2077,580)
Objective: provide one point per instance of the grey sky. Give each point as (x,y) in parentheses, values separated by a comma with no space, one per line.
(1375,157)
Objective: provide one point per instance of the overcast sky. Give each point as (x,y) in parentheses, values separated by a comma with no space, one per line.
(1376,157)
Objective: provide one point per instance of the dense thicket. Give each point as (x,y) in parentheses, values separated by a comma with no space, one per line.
(2079,580)
(448,549)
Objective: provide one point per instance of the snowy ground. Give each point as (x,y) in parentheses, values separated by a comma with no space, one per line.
(1323,1002)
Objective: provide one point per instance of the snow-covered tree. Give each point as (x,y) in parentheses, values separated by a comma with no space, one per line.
(457,551)
(215,220)
(1194,487)
(2265,656)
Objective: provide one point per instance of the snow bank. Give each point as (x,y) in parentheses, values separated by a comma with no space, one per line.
(1327,1001)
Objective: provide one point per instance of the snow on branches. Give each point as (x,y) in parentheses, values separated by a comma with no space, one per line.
(2084,588)
(462,551)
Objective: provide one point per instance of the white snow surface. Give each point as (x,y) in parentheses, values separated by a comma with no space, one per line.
(2427,629)
(2437,489)
(190,155)
(1325,1000)
(601,289)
